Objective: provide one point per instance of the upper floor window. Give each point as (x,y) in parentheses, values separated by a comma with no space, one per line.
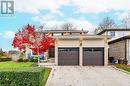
(121,34)
(57,34)
(76,34)
(112,34)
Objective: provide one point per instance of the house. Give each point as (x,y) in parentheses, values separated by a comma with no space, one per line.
(114,33)
(119,44)
(76,47)
(120,48)
(14,54)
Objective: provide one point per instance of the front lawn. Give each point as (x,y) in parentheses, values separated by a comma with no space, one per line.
(122,66)
(46,75)
(15,64)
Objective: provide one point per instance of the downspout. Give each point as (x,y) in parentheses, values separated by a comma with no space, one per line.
(125,51)
(80,50)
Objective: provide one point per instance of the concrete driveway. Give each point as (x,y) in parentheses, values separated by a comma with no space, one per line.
(87,76)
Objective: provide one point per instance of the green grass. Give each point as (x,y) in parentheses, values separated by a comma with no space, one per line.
(15,64)
(123,67)
(46,75)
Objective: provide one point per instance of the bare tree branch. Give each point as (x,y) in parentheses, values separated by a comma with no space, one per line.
(67,26)
(106,23)
(126,21)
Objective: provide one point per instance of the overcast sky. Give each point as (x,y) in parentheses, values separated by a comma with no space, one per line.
(84,14)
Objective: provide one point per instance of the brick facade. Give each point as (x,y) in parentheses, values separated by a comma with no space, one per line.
(117,50)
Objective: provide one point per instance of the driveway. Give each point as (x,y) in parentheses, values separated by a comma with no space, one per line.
(87,76)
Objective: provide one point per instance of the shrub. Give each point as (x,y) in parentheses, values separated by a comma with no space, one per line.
(33,60)
(25,60)
(20,60)
(22,77)
(3,59)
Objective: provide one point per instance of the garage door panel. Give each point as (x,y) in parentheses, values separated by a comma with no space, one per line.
(68,56)
(93,56)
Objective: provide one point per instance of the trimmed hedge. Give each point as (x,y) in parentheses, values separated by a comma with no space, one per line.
(33,60)
(22,77)
(20,60)
(3,59)
(27,60)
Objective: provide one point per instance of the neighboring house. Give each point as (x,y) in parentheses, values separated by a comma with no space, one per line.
(114,33)
(119,44)
(14,54)
(75,47)
(120,48)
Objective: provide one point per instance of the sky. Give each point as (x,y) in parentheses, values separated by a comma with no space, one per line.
(84,14)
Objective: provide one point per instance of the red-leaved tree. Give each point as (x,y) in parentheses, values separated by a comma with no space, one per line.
(23,37)
(36,40)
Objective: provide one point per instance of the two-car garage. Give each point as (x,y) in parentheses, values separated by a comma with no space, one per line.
(90,56)
(87,50)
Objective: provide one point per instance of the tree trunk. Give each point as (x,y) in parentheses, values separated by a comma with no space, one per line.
(38,58)
(26,51)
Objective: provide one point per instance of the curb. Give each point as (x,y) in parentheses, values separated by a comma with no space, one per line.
(120,70)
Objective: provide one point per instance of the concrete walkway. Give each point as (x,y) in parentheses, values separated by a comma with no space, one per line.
(87,76)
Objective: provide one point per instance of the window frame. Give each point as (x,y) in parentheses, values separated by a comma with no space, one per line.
(112,33)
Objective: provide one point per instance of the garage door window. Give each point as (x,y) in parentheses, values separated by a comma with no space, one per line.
(93,49)
(68,49)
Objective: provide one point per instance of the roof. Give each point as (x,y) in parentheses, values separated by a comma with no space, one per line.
(119,39)
(95,37)
(121,29)
(13,52)
(62,31)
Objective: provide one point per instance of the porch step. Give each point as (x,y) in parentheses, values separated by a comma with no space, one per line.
(50,60)
(47,64)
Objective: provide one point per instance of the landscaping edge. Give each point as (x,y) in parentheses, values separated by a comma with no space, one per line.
(120,69)
(49,72)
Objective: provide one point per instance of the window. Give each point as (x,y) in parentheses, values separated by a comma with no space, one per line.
(121,34)
(112,34)
(57,34)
